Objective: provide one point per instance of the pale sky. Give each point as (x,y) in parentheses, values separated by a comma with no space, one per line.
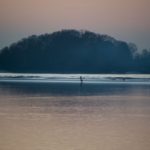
(127,20)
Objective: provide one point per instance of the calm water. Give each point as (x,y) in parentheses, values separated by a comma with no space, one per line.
(56,112)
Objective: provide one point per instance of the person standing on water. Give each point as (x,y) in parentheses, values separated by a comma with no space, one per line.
(81,80)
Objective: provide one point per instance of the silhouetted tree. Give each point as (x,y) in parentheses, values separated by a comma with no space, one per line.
(71,51)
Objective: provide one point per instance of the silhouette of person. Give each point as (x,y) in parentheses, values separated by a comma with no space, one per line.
(81,80)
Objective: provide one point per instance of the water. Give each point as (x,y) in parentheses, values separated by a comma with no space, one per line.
(74,78)
(57,112)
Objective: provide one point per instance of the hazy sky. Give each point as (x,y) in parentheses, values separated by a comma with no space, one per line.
(127,20)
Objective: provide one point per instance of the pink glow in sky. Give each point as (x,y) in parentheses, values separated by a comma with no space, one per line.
(123,19)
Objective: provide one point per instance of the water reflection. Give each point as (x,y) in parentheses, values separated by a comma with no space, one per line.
(73,89)
(74,98)
(45,116)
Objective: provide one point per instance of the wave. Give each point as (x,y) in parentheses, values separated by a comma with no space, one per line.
(87,78)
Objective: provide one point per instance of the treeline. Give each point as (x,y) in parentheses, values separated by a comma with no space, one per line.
(71,51)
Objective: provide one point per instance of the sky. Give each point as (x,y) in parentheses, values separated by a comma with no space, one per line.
(126,20)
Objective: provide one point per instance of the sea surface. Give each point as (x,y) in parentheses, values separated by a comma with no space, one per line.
(59,112)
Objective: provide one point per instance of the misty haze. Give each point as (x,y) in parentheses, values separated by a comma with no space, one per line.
(74,75)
